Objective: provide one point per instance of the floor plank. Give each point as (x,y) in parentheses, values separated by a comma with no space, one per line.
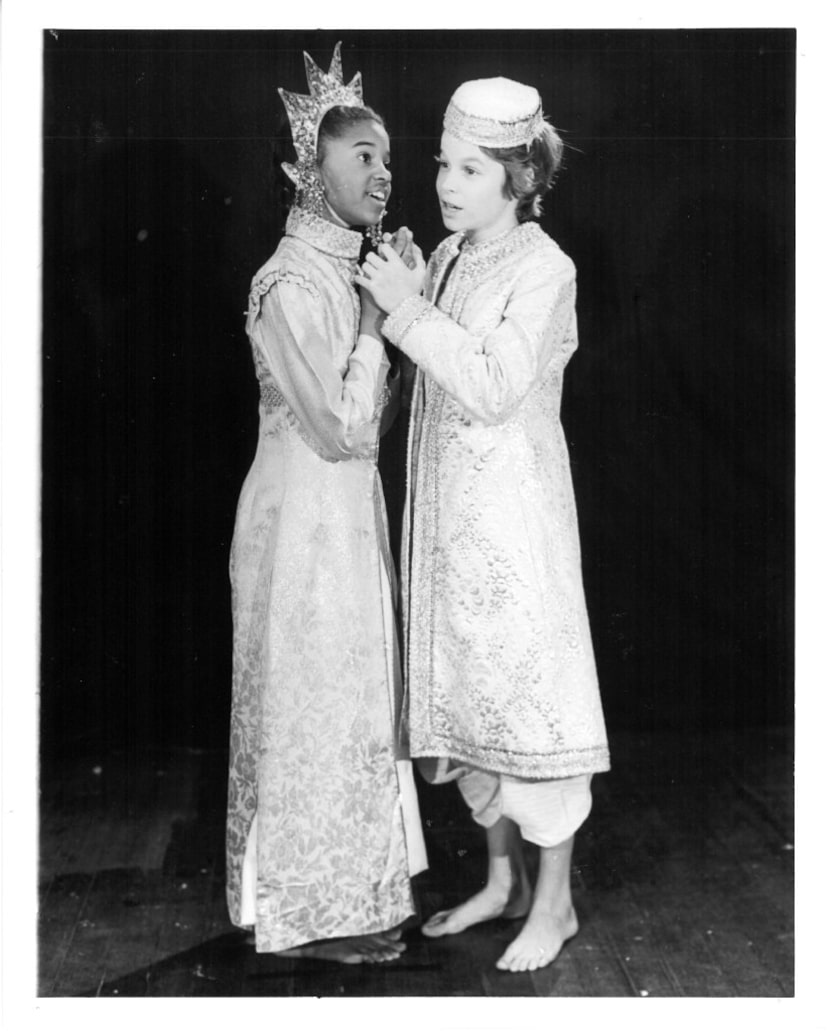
(683,882)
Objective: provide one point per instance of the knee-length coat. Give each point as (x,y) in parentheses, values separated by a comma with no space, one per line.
(499,665)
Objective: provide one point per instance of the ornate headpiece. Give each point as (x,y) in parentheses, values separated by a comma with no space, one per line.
(495,113)
(306,111)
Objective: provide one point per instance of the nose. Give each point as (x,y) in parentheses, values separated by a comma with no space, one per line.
(446,181)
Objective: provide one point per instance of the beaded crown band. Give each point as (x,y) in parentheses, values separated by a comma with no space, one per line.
(306,112)
(495,113)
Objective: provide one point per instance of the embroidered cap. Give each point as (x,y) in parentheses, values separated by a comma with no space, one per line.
(495,113)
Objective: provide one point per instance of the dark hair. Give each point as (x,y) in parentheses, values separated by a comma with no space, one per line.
(530,170)
(338,120)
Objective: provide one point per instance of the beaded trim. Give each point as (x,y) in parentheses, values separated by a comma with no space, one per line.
(306,111)
(383,399)
(477,259)
(322,234)
(571,762)
(407,315)
(491,132)
(270,397)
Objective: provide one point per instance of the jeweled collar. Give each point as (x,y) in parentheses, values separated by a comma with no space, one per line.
(517,238)
(325,236)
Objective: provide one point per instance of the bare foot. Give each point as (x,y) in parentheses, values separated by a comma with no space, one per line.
(393,934)
(539,941)
(494,900)
(363,948)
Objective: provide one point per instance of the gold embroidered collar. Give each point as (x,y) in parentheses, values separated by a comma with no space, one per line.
(323,235)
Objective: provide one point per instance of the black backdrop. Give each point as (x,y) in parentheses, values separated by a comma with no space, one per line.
(162,195)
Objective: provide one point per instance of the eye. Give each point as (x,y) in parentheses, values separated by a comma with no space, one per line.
(365,157)
(439,161)
(470,171)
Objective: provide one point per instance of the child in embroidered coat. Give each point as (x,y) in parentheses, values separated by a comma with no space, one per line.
(502,685)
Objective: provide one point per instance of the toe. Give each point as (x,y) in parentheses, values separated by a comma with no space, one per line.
(383,953)
(505,960)
(383,944)
(436,925)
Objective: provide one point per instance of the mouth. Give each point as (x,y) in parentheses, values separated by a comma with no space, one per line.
(380,195)
(450,209)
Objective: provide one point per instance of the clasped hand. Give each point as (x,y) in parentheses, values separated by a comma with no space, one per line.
(387,277)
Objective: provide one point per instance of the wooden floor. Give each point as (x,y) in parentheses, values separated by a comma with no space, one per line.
(683,883)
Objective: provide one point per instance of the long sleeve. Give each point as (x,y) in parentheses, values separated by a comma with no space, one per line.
(296,333)
(490,375)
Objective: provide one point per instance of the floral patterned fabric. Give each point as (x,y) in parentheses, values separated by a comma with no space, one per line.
(314,750)
(499,661)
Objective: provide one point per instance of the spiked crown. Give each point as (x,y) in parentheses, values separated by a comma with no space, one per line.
(306,112)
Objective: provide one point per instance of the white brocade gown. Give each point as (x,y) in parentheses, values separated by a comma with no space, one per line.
(323,832)
(499,662)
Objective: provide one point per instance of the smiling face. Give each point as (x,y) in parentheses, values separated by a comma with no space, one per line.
(470,187)
(355,173)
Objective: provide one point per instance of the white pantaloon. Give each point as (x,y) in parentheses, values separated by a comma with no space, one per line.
(547,812)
